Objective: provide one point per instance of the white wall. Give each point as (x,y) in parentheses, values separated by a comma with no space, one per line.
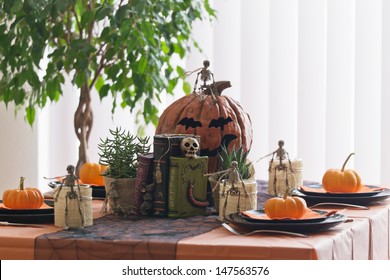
(18,150)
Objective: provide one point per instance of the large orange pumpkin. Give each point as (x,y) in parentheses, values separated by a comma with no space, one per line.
(218,120)
(341,181)
(90,173)
(290,207)
(23,198)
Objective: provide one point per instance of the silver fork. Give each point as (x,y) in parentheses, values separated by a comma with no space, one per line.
(232,230)
(340,204)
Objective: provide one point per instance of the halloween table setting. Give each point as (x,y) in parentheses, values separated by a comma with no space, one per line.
(193,195)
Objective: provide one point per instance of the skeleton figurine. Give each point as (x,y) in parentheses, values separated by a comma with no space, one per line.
(281,154)
(205,75)
(71,180)
(189,146)
(233,177)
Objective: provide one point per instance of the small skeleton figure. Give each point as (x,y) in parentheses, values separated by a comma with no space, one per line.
(189,147)
(71,180)
(205,75)
(233,177)
(281,154)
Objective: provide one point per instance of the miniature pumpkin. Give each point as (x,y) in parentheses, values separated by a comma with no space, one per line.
(286,207)
(340,181)
(218,120)
(23,198)
(91,173)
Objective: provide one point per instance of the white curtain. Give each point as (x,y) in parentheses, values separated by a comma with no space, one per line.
(315,73)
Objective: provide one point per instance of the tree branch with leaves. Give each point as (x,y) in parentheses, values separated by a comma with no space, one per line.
(122,48)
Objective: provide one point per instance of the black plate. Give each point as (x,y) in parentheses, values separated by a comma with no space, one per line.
(29,216)
(358,200)
(319,186)
(292,221)
(97,191)
(309,227)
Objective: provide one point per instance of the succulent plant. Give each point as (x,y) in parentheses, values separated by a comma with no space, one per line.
(226,158)
(120,153)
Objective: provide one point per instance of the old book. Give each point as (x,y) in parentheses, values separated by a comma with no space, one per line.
(187,187)
(164,146)
(144,177)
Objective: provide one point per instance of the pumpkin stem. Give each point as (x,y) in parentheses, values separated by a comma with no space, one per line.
(285,194)
(21,183)
(217,88)
(345,162)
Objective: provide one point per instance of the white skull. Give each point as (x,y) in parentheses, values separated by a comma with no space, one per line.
(189,146)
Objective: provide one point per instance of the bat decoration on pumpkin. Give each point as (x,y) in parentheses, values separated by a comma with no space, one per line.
(220,122)
(190,122)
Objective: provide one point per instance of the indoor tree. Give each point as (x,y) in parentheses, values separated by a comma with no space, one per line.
(122,48)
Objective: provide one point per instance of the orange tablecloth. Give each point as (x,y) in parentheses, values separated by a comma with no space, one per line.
(367,237)
(18,242)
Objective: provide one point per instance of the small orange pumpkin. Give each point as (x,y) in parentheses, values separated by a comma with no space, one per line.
(341,181)
(286,207)
(23,198)
(90,173)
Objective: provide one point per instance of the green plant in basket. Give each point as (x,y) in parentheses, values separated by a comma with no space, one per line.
(120,153)
(245,167)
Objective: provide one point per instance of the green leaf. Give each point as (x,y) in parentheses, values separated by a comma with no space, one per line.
(79,79)
(61,5)
(186,87)
(142,63)
(33,78)
(103,12)
(87,18)
(99,83)
(30,114)
(103,92)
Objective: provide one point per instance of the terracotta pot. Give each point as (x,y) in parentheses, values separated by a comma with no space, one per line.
(120,195)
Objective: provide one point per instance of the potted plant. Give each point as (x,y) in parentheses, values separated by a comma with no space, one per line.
(119,48)
(220,182)
(120,154)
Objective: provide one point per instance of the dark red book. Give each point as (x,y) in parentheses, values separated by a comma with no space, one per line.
(164,146)
(144,177)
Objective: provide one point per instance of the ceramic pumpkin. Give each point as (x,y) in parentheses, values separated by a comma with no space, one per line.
(218,120)
(23,198)
(287,207)
(90,173)
(340,181)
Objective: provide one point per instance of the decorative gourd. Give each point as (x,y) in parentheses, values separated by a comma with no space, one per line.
(23,198)
(341,181)
(218,120)
(286,207)
(90,173)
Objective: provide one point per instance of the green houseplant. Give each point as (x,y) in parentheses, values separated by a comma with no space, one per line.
(245,169)
(117,47)
(120,154)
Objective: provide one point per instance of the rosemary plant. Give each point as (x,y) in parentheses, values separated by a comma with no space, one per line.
(120,153)
(238,155)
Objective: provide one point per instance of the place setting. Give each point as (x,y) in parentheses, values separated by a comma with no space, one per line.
(304,209)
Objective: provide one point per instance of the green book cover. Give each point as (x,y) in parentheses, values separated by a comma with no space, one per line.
(187,187)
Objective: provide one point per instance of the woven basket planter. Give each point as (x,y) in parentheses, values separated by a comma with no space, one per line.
(120,195)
